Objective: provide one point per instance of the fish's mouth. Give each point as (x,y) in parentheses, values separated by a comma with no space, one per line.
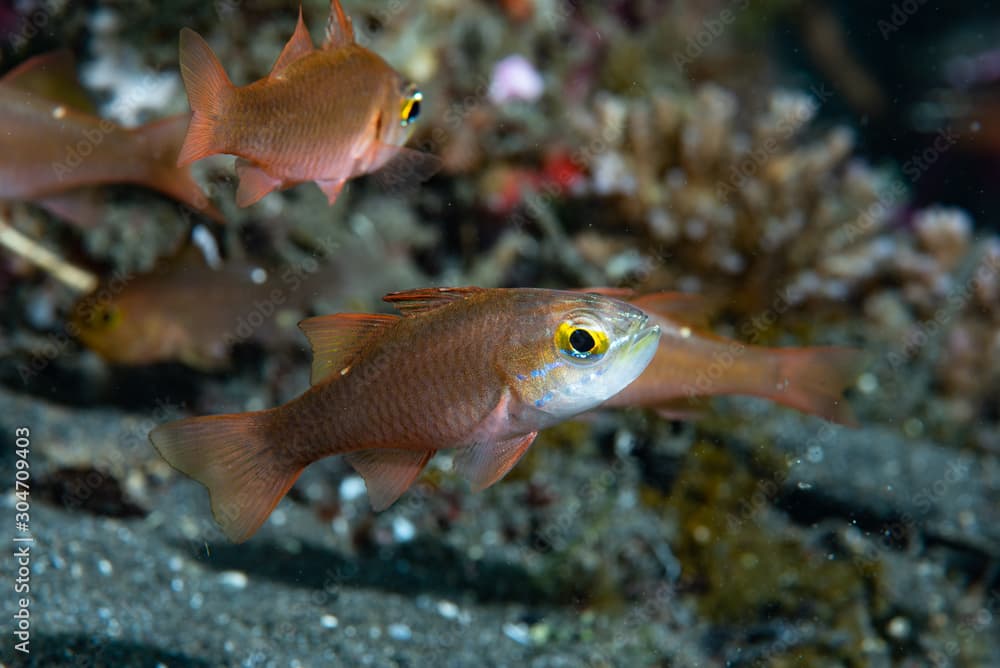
(645,336)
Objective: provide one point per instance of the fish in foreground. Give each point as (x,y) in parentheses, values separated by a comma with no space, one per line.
(477,370)
(323,115)
(692,362)
(53,149)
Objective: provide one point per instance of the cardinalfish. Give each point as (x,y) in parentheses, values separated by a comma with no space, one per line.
(152,317)
(156,317)
(692,362)
(53,148)
(323,115)
(478,371)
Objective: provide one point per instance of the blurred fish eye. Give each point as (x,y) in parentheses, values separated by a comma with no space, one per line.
(107,316)
(411,108)
(581,342)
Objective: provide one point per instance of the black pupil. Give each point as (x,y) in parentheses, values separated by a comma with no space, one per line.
(414,110)
(581,340)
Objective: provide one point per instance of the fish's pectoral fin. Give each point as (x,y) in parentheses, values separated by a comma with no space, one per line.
(255,183)
(421,300)
(336,339)
(299,45)
(339,31)
(398,169)
(485,462)
(388,472)
(331,188)
(51,76)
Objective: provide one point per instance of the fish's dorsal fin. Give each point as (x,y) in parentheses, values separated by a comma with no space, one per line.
(337,339)
(51,76)
(421,300)
(388,472)
(299,45)
(680,307)
(339,31)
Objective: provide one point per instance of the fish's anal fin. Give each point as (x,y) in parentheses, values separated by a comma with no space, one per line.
(421,300)
(298,46)
(255,183)
(486,462)
(51,76)
(336,339)
(387,472)
(680,307)
(331,188)
(339,31)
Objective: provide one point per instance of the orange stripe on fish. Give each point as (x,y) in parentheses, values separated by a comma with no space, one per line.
(323,115)
(478,371)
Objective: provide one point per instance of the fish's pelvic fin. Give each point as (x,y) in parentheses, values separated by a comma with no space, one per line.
(399,169)
(337,339)
(331,188)
(388,473)
(813,381)
(339,30)
(208,88)
(486,462)
(246,476)
(298,46)
(159,142)
(421,300)
(255,183)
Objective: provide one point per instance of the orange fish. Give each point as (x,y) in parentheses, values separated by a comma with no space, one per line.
(693,362)
(477,370)
(53,148)
(152,317)
(323,115)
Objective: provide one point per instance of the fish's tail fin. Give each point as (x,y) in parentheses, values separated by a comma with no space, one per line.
(208,88)
(813,381)
(161,141)
(246,475)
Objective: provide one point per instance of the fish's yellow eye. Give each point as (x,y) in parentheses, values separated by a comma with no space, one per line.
(104,317)
(581,342)
(411,108)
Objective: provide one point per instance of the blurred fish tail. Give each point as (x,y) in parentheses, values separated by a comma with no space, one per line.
(208,88)
(161,141)
(245,473)
(813,380)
